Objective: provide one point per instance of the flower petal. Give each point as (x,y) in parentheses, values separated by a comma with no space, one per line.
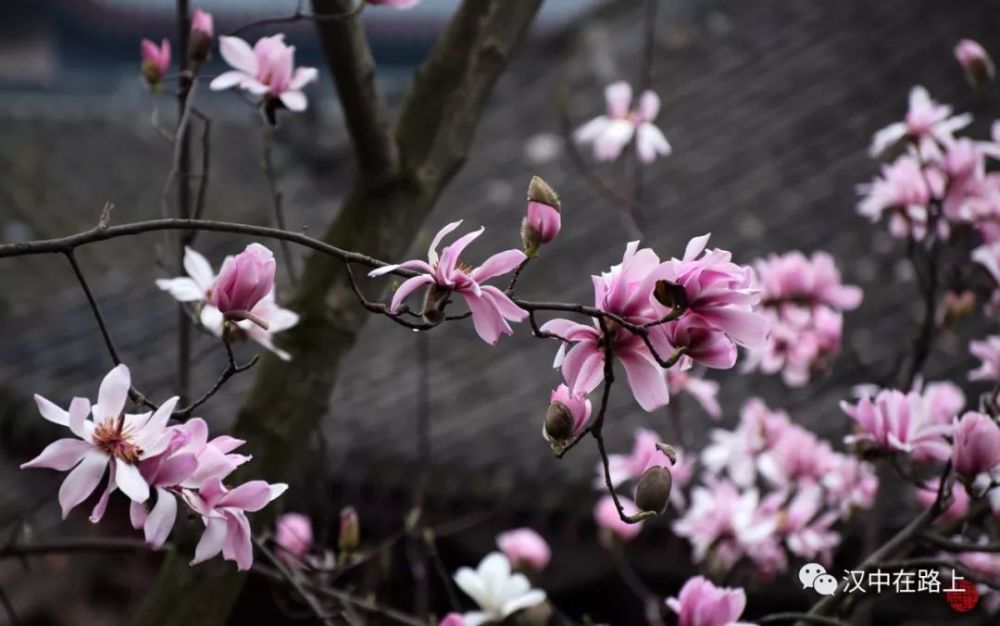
(294,100)
(113,393)
(211,540)
(51,412)
(161,519)
(181,289)
(130,481)
(82,481)
(60,455)
(250,496)
(646,379)
(409,286)
(198,268)
(227,80)
(238,54)
(499,263)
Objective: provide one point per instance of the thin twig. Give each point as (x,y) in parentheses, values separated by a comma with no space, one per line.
(99,317)
(277,197)
(292,579)
(299,15)
(231,370)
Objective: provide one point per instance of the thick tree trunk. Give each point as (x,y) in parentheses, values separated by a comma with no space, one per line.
(381,217)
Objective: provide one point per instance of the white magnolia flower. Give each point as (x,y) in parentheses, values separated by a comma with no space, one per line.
(196,289)
(498,592)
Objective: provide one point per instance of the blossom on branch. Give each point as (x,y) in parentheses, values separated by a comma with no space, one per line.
(542,220)
(223,510)
(611,133)
(701,603)
(267,70)
(894,421)
(988,351)
(200,37)
(568,414)
(444,275)
(293,534)
(111,440)
(928,125)
(499,592)
(804,298)
(715,302)
(976,448)
(198,290)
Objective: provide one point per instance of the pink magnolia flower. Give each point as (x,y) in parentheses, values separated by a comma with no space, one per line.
(396,4)
(976,448)
(612,132)
(730,523)
(525,548)
(294,535)
(223,511)
(905,190)
(700,603)
(243,281)
(988,351)
(197,288)
(188,462)
(268,69)
(607,518)
(491,308)
(719,311)
(796,457)
(975,61)
(898,422)
(155,61)
(719,293)
(734,453)
(803,298)
(452,619)
(112,440)
(928,125)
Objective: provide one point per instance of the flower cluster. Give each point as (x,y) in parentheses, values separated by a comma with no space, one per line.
(940,182)
(896,422)
(771,489)
(144,456)
(611,133)
(242,294)
(716,304)
(804,299)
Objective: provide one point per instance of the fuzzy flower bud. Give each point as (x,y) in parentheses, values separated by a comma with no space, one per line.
(243,281)
(976,62)
(542,222)
(200,38)
(294,535)
(652,493)
(977,444)
(155,62)
(568,414)
(350,530)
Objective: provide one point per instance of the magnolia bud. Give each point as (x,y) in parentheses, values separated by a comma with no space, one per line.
(435,300)
(653,491)
(155,62)
(542,221)
(976,62)
(350,531)
(670,294)
(200,37)
(558,423)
